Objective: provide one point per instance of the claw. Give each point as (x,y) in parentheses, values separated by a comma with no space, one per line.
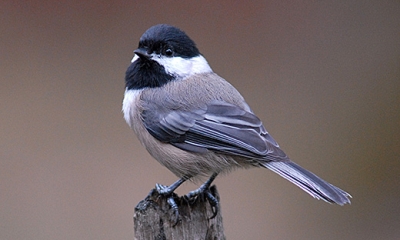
(168,192)
(174,207)
(213,202)
(193,195)
(162,189)
(205,191)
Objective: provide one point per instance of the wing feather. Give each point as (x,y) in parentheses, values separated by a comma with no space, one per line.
(220,127)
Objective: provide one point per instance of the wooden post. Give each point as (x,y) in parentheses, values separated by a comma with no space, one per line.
(154,219)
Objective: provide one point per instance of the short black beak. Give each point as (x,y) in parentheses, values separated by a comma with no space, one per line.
(142,53)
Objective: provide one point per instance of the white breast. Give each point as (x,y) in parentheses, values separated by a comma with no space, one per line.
(129,105)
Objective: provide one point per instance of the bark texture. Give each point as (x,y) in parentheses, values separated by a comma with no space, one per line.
(154,219)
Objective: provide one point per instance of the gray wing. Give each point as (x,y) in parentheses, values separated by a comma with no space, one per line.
(219,126)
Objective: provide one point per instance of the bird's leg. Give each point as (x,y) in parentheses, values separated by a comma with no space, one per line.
(168,190)
(205,186)
(205,189)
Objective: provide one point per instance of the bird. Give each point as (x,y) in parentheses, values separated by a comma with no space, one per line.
(196,124)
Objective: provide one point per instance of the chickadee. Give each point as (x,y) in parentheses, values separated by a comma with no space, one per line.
(197,124)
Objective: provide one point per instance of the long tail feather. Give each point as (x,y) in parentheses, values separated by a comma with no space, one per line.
(309,182)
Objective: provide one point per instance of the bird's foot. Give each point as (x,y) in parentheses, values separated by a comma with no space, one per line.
(168,193)
(164,190)
(204,191)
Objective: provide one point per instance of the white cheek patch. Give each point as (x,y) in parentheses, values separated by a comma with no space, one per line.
(182,67)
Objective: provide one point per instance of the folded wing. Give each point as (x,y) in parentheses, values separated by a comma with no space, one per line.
(219,126)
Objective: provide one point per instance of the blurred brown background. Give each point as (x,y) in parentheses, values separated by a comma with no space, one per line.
(324,77)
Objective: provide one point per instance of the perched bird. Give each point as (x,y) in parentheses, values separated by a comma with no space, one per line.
(196,124)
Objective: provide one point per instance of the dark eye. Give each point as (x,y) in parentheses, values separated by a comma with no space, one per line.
(168,52)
